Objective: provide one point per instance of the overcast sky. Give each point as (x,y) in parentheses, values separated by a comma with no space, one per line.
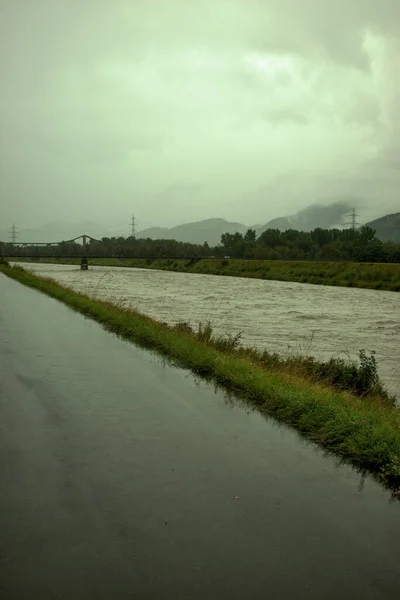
(180,110)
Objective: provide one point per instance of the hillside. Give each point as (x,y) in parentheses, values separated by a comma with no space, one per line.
(307,219)
(209,230)
(387,228)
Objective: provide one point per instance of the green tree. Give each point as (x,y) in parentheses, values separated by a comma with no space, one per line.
(250,235)
(270,237)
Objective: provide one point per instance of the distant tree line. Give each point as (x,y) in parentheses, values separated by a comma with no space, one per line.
(358,245)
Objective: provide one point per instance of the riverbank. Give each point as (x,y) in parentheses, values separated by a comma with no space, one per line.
(361,429)
(375,276)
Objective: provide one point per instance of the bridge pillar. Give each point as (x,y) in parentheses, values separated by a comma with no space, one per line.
(84,264)
(84,261)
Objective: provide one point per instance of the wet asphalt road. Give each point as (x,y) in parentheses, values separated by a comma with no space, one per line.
(125,478)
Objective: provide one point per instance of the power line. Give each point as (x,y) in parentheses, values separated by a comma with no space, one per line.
(13,233)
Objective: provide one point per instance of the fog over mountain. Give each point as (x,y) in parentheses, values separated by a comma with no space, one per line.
(187,110)
(210,230)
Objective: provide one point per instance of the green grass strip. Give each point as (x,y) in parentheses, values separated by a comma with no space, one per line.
(362,431)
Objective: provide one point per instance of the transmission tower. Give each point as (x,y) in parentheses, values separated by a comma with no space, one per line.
(353,223)
(133,226)
(13,233)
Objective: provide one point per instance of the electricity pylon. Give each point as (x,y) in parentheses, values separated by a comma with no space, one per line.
(353,223)
(13,233)
(133,226)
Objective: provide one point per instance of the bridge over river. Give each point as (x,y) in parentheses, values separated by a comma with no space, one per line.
(83,247)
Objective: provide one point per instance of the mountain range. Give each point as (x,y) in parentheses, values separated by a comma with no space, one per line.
(210,230)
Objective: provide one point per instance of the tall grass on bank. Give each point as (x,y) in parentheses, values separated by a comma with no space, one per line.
(361,426)
(345,274)
(361,379)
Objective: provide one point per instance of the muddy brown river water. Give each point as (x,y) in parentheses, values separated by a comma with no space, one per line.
(286,317)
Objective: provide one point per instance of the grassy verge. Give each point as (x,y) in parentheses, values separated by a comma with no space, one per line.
(361,428)
(360,275)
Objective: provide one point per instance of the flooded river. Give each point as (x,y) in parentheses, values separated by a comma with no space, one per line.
(284,317)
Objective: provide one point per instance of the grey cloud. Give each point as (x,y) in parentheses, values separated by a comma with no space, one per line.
(287,115)
(180,187)
(141,99)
